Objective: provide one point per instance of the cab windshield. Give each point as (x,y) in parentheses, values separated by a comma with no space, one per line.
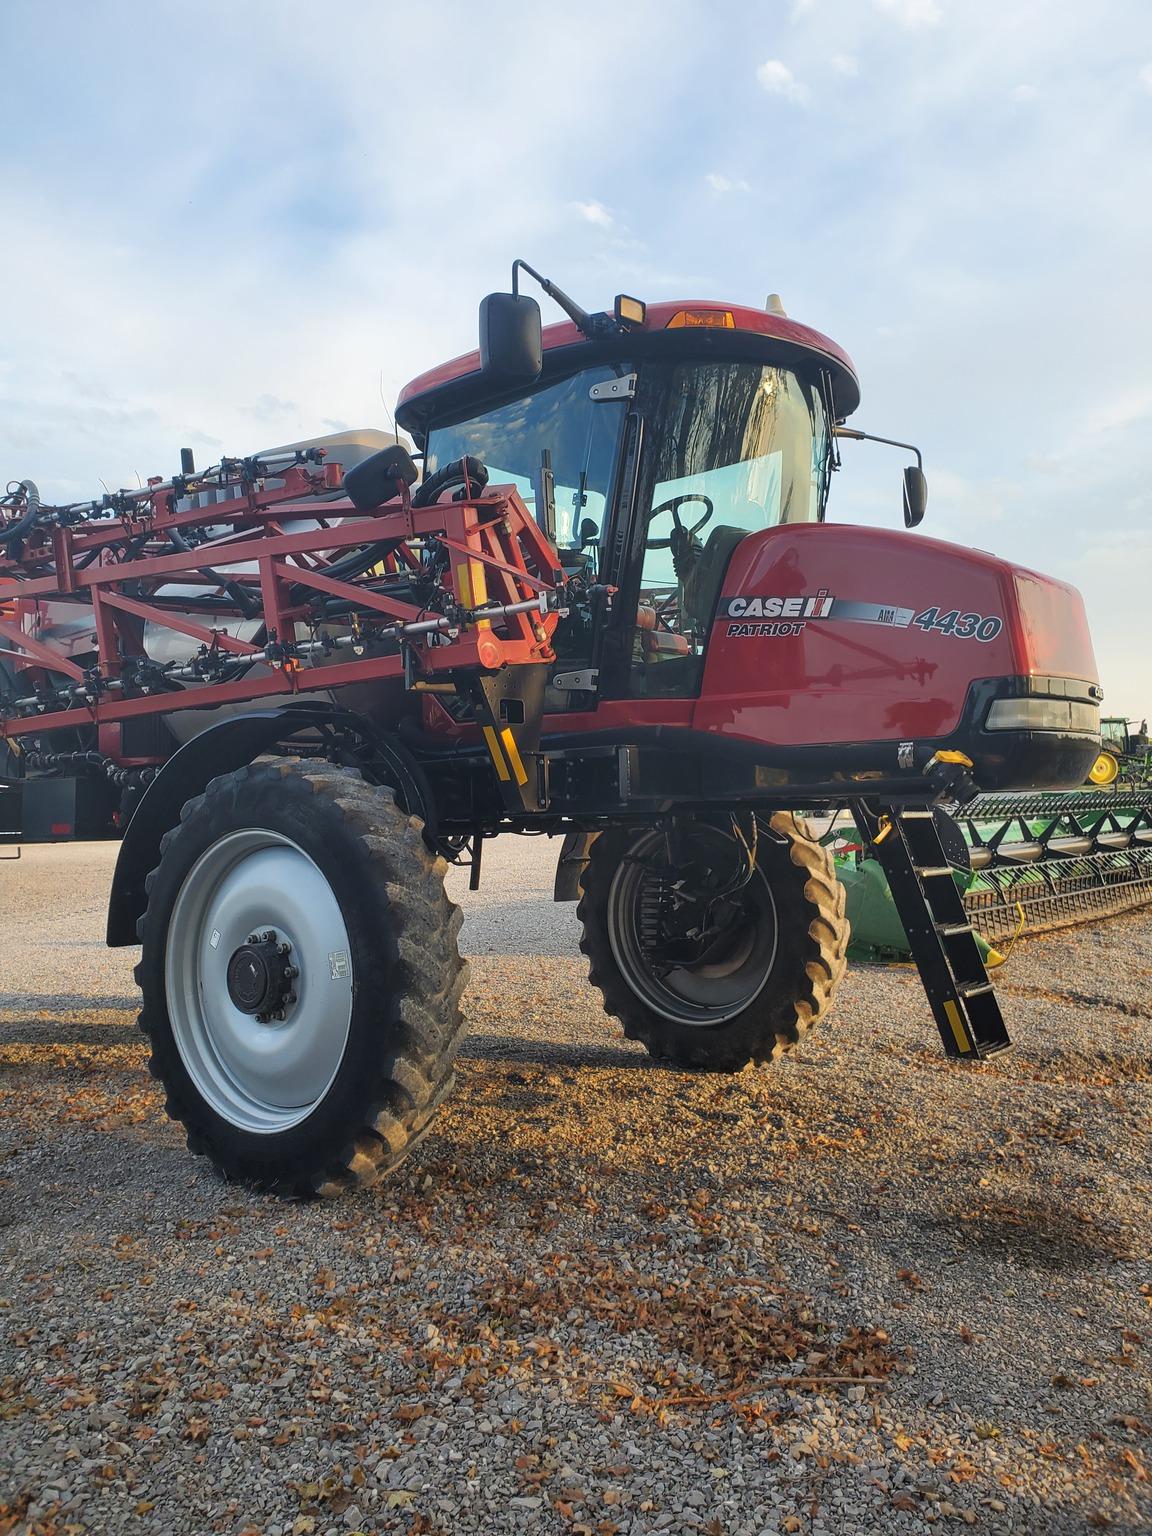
(736,446)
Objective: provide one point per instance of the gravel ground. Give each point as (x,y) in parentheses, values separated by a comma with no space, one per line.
(577,1309)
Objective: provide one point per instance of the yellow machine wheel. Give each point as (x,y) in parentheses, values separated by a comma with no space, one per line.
(1105,770)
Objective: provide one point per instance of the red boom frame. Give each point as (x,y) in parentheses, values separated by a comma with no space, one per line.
(493,603)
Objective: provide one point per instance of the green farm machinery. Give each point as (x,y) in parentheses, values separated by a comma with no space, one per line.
(1125,755)
(1022,862)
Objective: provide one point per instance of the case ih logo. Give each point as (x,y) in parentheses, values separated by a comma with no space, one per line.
(795,612)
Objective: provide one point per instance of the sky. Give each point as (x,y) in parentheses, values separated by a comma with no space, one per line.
(230,225)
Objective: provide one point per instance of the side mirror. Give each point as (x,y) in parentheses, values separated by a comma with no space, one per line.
(915,496)
(511,338)
(589,532)
(377,479)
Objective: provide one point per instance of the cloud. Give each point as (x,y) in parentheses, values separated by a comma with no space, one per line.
(912,14)
(778,80)
(1024,93)
(958,503)
(1145,77)
(1117,412)
(720,183)
(595,213)
(845,64)
(270,408)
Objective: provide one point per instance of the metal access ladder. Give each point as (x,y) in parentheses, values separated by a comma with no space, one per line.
(931,907)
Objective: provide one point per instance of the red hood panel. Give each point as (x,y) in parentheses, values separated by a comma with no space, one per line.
(835,634)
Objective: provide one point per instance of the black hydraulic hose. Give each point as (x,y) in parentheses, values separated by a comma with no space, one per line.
(468,472)
(234,590)
(25,524)
(353,564)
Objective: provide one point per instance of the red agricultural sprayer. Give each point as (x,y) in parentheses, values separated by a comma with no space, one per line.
(609,607)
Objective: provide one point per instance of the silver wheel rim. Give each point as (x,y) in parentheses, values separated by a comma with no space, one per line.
(704,996)
(259,1076)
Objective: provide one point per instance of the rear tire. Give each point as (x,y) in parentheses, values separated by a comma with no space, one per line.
(340,1074)
(771,985)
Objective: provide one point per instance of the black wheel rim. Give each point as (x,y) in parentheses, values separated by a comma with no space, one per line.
(652,911)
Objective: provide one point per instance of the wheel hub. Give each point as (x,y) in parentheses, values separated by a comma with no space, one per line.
(260,976)
(695,941)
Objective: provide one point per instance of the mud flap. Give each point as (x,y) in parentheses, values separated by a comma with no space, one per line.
(573,861)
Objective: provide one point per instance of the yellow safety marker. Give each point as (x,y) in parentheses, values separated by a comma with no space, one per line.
(960,1034)
(497,756)
(945,756)
(519,772)
(472,588)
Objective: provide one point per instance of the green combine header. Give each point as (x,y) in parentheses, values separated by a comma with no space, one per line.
(1023,863)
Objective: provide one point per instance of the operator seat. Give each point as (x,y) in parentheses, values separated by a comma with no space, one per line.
(702,580)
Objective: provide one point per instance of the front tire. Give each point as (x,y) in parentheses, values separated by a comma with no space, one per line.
(301,977)
(767,955)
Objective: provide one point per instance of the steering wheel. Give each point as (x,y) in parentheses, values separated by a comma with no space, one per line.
(681,535)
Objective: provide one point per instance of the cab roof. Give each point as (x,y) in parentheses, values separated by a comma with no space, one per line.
(455,387)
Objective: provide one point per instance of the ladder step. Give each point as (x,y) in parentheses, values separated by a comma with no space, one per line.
(939,933)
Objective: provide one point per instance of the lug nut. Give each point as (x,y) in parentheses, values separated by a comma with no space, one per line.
(252,939)
(269,936)
(291,972)
(284,949)
(291,998)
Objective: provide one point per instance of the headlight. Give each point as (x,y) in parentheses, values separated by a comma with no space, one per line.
(1044,715)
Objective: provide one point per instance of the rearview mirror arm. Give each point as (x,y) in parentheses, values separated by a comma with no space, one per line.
(580,317)
(868,437)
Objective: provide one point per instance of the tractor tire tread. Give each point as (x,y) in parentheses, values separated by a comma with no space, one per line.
(421,1025)
(817,902)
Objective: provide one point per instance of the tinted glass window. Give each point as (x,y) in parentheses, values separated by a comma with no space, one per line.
(735,448)
(749,439)
(580,433)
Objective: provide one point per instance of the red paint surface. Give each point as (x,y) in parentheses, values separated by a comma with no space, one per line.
(1052,627)
(840,680)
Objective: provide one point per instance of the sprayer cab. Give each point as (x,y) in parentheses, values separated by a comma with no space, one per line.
(679,456)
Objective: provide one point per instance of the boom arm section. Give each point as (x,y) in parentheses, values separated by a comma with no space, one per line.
(266,562)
